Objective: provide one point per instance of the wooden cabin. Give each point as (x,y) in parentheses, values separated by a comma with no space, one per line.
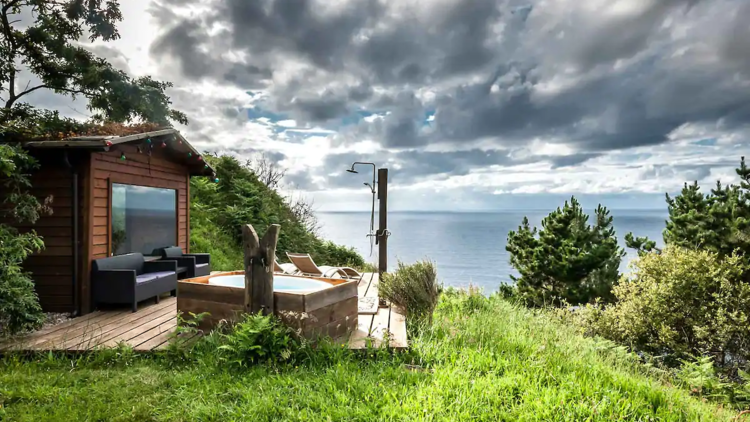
(110,195)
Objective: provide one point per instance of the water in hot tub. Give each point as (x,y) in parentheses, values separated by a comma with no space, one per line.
(280,283)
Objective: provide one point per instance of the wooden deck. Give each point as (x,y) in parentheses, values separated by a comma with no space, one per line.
(151,327)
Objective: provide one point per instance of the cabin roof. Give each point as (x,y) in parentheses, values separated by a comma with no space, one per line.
(107,142)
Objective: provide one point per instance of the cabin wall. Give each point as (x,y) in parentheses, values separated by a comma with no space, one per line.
(52,268)
(137,169)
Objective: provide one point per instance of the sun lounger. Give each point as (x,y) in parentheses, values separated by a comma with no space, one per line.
(306,266)
(288,269)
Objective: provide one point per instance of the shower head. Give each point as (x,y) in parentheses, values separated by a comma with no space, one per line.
(351,170)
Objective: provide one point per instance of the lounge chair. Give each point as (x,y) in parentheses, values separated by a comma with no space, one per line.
(306,266)
(288,269)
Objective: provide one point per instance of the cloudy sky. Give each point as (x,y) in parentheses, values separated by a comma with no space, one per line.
(471,104)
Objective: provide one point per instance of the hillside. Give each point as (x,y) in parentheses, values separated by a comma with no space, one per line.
(483,360)
(220,209)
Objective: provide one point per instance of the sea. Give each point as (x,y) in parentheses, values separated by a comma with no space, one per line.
(467,248)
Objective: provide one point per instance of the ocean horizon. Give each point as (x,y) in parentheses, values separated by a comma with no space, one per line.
(468,247)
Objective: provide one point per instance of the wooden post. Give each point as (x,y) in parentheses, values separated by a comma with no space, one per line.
(259,258)
(383,224)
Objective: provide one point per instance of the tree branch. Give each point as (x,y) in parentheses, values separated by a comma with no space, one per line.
(7,30)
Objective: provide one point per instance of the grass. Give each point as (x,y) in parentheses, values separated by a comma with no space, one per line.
(484,360)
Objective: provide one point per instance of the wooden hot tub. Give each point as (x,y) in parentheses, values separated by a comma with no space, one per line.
(329,310)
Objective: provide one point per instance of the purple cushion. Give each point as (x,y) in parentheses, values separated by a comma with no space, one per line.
(201,265)
(143,278)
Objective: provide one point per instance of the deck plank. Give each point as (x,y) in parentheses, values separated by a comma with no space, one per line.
(368,305)
(358,338)
(123,325)
(397,328)
(135,335)
(380,324)
(49,330)
(49,342)
(155,336)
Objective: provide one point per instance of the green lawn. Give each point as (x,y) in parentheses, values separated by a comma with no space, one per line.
(486,362)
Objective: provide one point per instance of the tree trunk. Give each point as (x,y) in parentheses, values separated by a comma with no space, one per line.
(259,258)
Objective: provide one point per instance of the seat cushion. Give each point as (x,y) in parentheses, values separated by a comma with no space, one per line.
(144,278)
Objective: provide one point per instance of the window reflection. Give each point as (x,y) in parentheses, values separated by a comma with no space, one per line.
(143,218)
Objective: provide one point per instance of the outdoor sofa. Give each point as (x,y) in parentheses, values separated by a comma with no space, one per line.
(194,264)
(128,279)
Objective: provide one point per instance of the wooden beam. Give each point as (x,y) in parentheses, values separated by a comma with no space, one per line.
(383,223)
(259,258)
(87,238)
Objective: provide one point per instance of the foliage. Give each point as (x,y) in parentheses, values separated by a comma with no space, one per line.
(44,37)
(718,221)
(567,260)
(414,288)
(682,303)
(219,210)
(257,338)
(19,304)
(499,363)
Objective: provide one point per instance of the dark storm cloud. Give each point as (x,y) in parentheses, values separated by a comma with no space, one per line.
(500,72)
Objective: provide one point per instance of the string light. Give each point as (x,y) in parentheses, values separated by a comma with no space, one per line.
(109,143)
(140,151)
(200,158)
(122,156)
(216,180)
(148,141)
(190,154)
(163,144)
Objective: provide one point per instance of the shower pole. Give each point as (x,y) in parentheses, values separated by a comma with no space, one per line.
(382,234)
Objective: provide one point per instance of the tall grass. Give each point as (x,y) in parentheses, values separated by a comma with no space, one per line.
(482,359)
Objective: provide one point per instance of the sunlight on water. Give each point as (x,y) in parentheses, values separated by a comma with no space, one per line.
(467,247)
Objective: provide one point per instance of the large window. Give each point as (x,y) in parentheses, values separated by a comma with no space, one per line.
(143,219)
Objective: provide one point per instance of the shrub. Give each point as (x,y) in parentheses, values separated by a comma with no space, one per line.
(19,304)
(219,210)
(257,338)
(567,260)
(681,303)
(414,288)
(329,253)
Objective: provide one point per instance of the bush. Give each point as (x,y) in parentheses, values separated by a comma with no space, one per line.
(257,338)
(681,303)
(567,260)
(219,210)
(414,288)
(19,304)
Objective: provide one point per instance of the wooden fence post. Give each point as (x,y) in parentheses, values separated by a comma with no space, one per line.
(259,258)
(383,223)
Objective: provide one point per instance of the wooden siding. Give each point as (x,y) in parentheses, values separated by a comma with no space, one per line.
(52,268)
(137,169)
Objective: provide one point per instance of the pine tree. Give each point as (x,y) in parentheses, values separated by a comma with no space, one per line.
(718,221)
(567,260)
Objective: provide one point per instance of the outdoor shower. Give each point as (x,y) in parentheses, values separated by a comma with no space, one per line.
(381,235)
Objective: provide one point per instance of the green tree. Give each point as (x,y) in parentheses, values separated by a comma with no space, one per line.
(40,42)
(19,304)
(567,260)
(48,48)
(718,221)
